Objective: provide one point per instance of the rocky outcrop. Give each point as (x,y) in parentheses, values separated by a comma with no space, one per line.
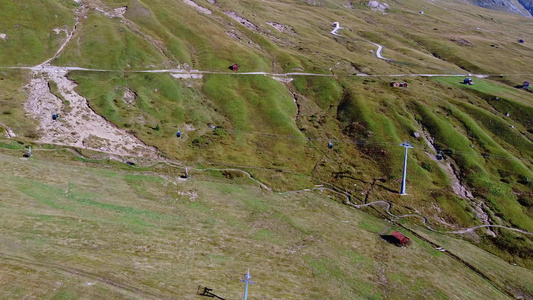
(527,4)
(378,6)
(510,6)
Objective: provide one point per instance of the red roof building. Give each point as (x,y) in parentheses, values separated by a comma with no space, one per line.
(401,239)
(234,67)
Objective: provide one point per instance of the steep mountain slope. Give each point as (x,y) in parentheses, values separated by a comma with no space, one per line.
(152,68)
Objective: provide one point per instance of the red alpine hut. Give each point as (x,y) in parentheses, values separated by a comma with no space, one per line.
(234,67)
(401,239)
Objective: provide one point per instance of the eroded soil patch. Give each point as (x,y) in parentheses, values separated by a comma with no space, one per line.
(76,124)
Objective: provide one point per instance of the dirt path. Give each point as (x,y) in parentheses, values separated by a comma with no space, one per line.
(80,13)
(337,27)
(281,75)
(378,52)
(387,206)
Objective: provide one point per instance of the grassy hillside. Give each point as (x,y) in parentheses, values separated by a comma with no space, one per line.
(101,229)
(28,29)
(275,126)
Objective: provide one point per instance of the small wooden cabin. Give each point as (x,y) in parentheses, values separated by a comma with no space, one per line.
(398,84)
(401,239)
(234,67)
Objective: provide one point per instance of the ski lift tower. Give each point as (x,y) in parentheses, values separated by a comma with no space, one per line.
(407,145)
(247,280)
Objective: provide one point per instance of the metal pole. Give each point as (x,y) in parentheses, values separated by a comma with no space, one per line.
(247,280)
(407,145)
(246,292)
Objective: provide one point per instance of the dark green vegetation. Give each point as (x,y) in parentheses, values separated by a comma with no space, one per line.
(278,131)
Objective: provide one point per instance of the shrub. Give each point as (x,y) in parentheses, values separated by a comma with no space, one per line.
(526,202)
(426,166)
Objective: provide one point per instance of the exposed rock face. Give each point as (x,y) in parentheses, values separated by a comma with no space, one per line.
(78,125)
(377,6)
(198,7)
(314,2)
(282,28)
(528,5)
(510,6)
(242,20)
